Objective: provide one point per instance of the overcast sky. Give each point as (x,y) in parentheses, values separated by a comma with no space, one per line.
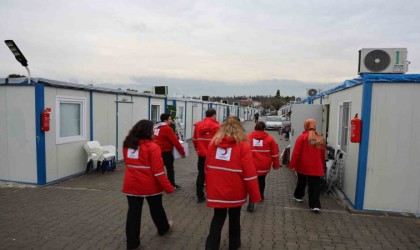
(212,44)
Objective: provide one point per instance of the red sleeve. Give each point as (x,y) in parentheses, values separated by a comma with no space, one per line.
(194,140)
(297,151)
(274,149)
(157,167)
(172,137)
(250,173)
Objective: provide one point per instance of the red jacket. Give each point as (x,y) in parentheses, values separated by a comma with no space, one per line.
(307,160)
(144,172)
(203,133)
(165,138)
(230,174)
(265,152)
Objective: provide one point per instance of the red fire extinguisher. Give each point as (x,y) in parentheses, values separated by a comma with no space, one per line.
(356,129)
(45,119)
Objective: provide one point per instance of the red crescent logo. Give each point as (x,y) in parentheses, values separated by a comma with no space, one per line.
(225,151)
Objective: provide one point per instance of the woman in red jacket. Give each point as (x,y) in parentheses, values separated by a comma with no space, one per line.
(308,161)
(230,177)
(144,178)
(265,154)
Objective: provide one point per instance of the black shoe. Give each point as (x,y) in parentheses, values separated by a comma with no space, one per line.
(251,207)
(177,187)
(201,199)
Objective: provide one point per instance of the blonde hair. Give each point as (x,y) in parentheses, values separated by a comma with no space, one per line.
(314,139)
(231,127)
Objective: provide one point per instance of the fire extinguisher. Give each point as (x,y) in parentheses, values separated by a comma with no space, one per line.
(45,119)
(356,129)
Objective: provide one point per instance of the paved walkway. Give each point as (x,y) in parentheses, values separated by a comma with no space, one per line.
(89,212)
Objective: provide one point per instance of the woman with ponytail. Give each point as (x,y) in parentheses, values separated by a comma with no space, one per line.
(308,161)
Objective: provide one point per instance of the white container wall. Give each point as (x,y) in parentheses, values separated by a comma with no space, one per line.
(393,169)
(18,161)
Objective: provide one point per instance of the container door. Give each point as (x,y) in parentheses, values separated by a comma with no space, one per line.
(125,123)
(301,112)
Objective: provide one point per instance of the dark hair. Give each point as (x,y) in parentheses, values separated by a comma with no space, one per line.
(210,112)
(164,117)
(142,130)
(260,126)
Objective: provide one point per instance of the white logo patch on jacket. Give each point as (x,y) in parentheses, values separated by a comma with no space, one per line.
(133,153)
(156,131)
(223,154)
(257,143)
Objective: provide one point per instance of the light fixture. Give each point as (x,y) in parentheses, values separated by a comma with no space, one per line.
(19,56)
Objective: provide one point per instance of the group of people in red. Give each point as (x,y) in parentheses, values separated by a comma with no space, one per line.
(231,165)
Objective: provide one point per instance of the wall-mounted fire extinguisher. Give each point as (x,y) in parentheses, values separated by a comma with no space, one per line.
(45,119)
(356,129)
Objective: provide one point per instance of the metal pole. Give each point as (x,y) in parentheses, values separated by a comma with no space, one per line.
(29,75)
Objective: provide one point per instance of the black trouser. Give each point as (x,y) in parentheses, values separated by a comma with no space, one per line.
(314,188)
(132,227)
(168,160)
(200,177)
(213,239)
(261,184)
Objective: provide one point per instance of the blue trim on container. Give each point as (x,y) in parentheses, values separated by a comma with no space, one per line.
(148,110)
(116,134)
(322,97)
(41,166)
(91,114)
(364,144)
(165,102)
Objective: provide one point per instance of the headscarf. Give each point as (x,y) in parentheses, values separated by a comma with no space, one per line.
(314,139)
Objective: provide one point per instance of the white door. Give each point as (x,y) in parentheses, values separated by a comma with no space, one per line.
(125,123)
(300,113)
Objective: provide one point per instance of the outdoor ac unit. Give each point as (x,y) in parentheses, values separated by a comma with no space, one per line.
(298,99)
(391,60)
(311,92)
(205,98)
(161,90)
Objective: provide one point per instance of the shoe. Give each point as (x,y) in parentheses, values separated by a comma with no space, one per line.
(171,225)
(177,187)
(315,210)
(251,207)
(201,199)
(296,199)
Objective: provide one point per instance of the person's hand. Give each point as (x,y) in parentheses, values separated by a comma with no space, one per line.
(183,156)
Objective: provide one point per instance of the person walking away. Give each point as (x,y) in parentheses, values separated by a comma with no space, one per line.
(265,154)
(308,159)
(256,116)
(144,177)
(230,177)
(165,138)
(203,133)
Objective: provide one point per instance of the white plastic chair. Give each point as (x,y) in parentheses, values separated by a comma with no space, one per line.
(96,153)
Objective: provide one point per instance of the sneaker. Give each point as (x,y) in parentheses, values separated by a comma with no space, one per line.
(296,199)
(177,187)
(171,225)
(315,210)
(251,207)
(201,199)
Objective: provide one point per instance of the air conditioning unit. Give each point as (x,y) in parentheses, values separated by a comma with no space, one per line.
(236,103)
(224,101)
(161,90)
(390,60)
(311,92)
(298,99)
(205,98)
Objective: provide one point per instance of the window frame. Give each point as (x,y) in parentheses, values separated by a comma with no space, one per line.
(83,118)
(157,113)
(344,123)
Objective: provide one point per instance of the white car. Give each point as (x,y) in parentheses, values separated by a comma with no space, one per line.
(273,122)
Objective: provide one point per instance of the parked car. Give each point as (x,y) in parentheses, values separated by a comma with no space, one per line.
(273,122)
